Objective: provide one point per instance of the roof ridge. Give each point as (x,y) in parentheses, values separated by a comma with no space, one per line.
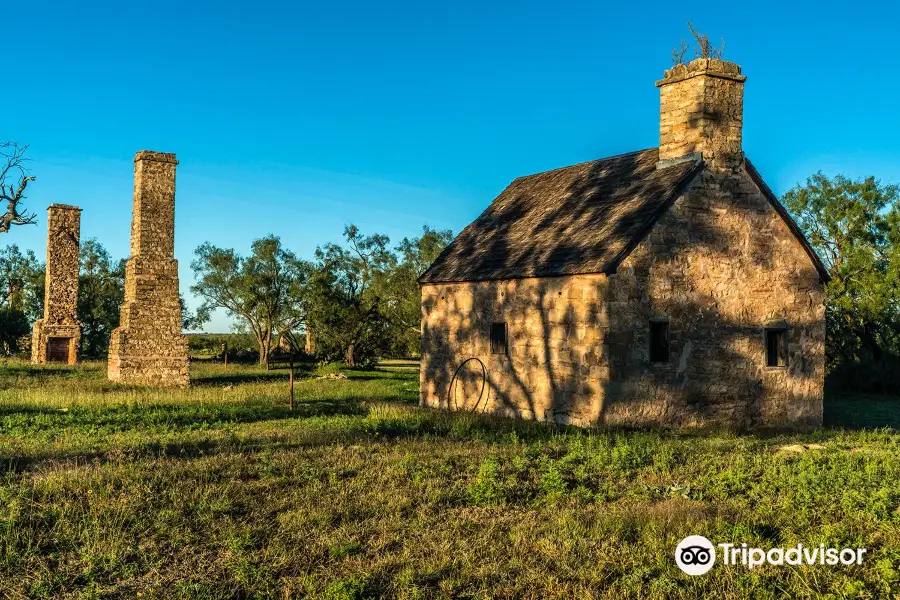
(586,162)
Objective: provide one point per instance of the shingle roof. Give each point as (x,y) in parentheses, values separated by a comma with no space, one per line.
(579,219)
(585,218)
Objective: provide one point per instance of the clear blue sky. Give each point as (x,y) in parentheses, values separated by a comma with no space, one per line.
(297,118)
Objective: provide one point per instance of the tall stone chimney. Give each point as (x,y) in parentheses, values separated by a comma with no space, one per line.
(148,348)
(56,337)
(701,110)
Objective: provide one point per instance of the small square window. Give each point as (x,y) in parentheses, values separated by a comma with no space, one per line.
(498,338)
(776,348)
(659,341)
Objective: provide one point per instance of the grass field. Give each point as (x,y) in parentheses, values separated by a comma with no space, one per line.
(221,491)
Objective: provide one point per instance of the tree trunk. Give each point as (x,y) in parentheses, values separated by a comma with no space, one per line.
(349,356)
(263,351)
(310,341)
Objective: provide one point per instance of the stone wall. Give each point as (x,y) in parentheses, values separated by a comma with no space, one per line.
(148,346)
(720,266)
(57,336)
(554,367)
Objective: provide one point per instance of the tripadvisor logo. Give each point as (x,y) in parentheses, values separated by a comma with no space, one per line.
(695,555)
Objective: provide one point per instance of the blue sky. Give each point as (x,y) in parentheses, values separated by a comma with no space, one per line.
(298,118)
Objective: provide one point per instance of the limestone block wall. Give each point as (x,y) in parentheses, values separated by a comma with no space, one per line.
(719,267)
(554,368)
(56,337)
(148,347)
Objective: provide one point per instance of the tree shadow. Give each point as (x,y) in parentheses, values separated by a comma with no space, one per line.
(166,418)
(384,375)
(856,411)
(225,378)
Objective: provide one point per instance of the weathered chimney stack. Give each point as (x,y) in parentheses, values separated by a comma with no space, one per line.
(702,111)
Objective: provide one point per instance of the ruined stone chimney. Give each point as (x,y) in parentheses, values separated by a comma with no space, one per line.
(148,348)
(56,337)
(702,113)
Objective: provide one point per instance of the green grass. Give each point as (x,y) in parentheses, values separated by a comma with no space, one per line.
(221,491)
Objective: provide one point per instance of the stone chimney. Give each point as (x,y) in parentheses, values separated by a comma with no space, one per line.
(148,348)
(57,336)
(702,112)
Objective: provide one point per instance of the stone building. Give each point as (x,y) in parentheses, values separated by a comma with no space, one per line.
(57,336)
(666,286)
(148,347)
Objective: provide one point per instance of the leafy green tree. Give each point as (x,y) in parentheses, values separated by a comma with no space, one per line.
(22,282)
(343,297)
(402,296)
(21,295)
(363,298)
(101,289)
(262,290)
(854,225)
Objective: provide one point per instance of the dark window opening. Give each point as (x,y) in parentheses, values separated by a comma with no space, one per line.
(659,341)
(498,338)
(776,348)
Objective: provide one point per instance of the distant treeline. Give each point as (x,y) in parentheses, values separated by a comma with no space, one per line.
(357,301)
(241,346)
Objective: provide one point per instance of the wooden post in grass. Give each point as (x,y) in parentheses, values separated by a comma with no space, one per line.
(225,354)
(291,378)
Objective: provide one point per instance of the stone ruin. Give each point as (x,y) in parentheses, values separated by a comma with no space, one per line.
(57,336)
(148,347)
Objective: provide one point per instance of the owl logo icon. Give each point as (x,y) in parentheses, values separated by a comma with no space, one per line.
(695,555)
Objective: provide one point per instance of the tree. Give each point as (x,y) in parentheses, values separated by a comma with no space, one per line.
(22,282)
(402,296)
(21,295)
(189,321)
(14,179)
(101,289)
(262,290)
(343,297)
(855,228)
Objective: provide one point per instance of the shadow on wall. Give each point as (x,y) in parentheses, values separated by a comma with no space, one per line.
(579,346)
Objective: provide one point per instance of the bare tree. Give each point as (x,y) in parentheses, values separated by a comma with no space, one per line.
(678,53)
(14,178)
(703,48)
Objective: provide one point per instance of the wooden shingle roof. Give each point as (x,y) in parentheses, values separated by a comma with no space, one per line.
(580,219)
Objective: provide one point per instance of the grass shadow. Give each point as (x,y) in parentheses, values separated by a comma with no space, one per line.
(157,419)
(239,378)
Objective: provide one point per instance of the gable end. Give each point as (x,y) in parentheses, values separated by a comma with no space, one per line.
(648,225)
(789,221)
